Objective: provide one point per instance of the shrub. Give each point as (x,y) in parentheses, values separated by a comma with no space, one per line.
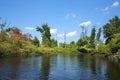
(83,50)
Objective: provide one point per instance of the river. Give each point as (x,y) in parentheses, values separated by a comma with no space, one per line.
(58,67)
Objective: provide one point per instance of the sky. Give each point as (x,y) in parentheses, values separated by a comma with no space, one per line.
(62,16)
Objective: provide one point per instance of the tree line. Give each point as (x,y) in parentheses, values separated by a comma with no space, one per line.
(13,41)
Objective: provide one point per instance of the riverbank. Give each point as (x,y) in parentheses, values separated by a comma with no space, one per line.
(34,51)
(114,58)
(103,54)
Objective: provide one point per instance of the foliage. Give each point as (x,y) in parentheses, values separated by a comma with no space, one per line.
(14,42)
(83,50)
(82,42)
(98,35)
(111,28)
(114,43)
(36,41)
(54,43)
(46,36)
(3,36)
(92,38)
(62,45)
(103,49)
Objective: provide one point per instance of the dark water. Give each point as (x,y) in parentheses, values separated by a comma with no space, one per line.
(58,67)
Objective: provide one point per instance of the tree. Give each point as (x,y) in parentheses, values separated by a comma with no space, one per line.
(92,37)
(98,35)
(53,43)
(46,36)
(112,27)
(2,25)
(72,44)
(114,43)
(81,42)
(3,36)
(36,41)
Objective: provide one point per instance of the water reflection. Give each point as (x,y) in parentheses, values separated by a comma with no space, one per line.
(58,67)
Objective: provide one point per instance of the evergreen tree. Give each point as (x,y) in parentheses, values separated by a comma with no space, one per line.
(98,35)
(92,37)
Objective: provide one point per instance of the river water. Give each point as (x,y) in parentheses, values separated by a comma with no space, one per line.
(58,67)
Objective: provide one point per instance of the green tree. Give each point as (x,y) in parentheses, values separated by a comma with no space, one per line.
(72,44)
(53,43)
(3,36)
(92,38)
(98,35)
(112,27)
(114,43)
(36,41)
(81,42)
(2,26)
(46,36)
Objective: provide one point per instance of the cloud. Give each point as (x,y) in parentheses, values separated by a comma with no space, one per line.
(61,35)
(29,28)
(105,9)
(85,24)
(53,31)
(71,34)
(71,15)
(115,4)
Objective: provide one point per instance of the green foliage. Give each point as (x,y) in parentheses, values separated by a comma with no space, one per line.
(98,35)
(113,27)
(92,38)
(62,45)
(2,25)
(103,49)
(114,43)
(46,36)
(82,42)
(54,43)
(83,50)
(36,41)
(3,36)
(72,44)
(118,53)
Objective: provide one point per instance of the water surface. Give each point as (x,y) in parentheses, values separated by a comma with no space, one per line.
(58,67)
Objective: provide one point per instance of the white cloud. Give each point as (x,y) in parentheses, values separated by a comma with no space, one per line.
(29,28)
(105,9)
(71,15)
(71,34)
(115,4)
(61,35)
(53,31)
(85,24)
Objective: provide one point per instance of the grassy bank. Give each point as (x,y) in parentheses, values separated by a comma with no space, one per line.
(6,49)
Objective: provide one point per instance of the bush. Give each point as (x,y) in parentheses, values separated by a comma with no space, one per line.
(83,50)
(103,49)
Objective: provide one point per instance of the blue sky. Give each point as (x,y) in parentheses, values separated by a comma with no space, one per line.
(63,16)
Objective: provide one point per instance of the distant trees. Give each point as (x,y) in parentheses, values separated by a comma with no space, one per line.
(92,37)
(98,34)
(82,42)
(36,41)
(46,36)
(54,43)
(13,39)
